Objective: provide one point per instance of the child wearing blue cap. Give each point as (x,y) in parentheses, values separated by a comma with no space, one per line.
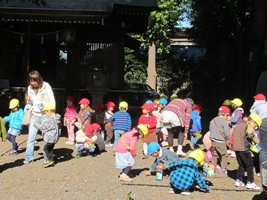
(163,156)
(162,104)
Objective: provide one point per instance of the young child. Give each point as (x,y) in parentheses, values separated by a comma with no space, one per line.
(162,104)
(184,173)
(108,126)
(99,117)
(15,120)
(150,121)
(195,131)
(123,122)
(51,130)
(89,140)
(163,157)
(157,114)
(85,113)
(241,145)
(69,118)
(220,136)
(126,151)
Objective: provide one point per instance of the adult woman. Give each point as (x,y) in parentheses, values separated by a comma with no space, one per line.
(176,117)
(39,93)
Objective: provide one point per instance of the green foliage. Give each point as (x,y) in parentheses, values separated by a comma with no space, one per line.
(135,66)
(37,2)
(162,23)
(130,196)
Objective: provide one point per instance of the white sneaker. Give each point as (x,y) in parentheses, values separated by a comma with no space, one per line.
(252,186)
(239,183)
(186,193)
(180,153)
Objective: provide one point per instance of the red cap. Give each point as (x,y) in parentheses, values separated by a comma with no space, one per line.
(260,97)
(88,129)
(154,105)
(100,107)
(110,104)
(69,98)
(147,106)
(96,126)
(84,101)
(224,109)
(197,107)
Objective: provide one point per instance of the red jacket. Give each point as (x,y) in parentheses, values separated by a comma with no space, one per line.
(151,121)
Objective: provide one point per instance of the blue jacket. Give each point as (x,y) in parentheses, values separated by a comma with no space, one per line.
(260,108)
(196,118)
(50,127)
(184,173)
(122,119)
(166,157)
(15,118)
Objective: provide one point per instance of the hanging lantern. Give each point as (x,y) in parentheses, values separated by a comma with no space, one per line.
(69,35)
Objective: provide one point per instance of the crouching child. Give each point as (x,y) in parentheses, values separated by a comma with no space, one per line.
(185,172)
(51,130)
(163,158)
(89,140)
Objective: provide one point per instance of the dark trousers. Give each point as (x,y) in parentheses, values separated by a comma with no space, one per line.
(245,163)
(48,149)
(174,130)
(12,139)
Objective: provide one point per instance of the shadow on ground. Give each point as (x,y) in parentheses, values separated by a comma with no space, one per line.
(16,163)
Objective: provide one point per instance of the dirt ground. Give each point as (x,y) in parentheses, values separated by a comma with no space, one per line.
(97,178)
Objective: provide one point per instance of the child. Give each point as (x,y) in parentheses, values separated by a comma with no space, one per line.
(51,130)
(157,114)
(123,121)
(185,172)
(85,113)
(162,104)
(163,156)
(69,118)
(195,131)
(15,120)
(99,117)
(220,135)
(241,145)
(126,151)
(150,121)
(108,126)
(89,140)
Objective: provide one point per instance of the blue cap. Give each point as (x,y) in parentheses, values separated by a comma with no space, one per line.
(163,101)
(149,101)
(152,147)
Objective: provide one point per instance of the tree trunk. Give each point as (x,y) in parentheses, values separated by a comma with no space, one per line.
(151,69)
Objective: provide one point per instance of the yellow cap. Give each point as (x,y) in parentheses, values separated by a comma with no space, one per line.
(197,155)
(143,128)
(13,103)
(237,102)
(227,102)
(174,96)
(49,106)
(123,104)
(256,118)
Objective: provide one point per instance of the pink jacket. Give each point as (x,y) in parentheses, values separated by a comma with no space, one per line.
(130,138)
(71,112)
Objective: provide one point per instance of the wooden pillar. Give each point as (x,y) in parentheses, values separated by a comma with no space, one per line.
(151,70)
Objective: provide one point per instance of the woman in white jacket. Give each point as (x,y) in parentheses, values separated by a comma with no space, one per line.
(39,93)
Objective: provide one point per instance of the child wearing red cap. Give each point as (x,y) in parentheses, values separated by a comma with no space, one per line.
(89,140)
(220,138)
(149,120)
(69,119)
(108,126)
(85,113)
(196,125)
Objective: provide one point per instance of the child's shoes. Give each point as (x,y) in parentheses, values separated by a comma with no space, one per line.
(171,190)
(223,171)
(164,144)
(13,153)
(218,168)
(145,156)
(70,142)
(48,163)
(180,153)
(125,178)
(78,155)
(229,151)
(233,155)
(252,186)
(239,183)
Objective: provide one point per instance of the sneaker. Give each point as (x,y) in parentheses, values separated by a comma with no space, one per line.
(164,144)
(252,186)
(239,183)
(26,161)
(126,178)
(78,155)
(35,141)
(70,142)
(48,163)
(145,156)
(229,151)
(223,171)
(180,153)
(18,146)
(171,190)
(218,168)
(186,193)
(233,155)
(258,174)
(13,153)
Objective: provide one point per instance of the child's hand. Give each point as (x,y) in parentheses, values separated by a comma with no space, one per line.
(161,166)
(19,124)
(185,136)
(147,173)
(212,167)
(79,120)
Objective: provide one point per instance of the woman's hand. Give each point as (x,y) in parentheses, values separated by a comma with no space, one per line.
(185,136)
(28,98)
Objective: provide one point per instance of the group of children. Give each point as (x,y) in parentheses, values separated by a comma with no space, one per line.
(222,138)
